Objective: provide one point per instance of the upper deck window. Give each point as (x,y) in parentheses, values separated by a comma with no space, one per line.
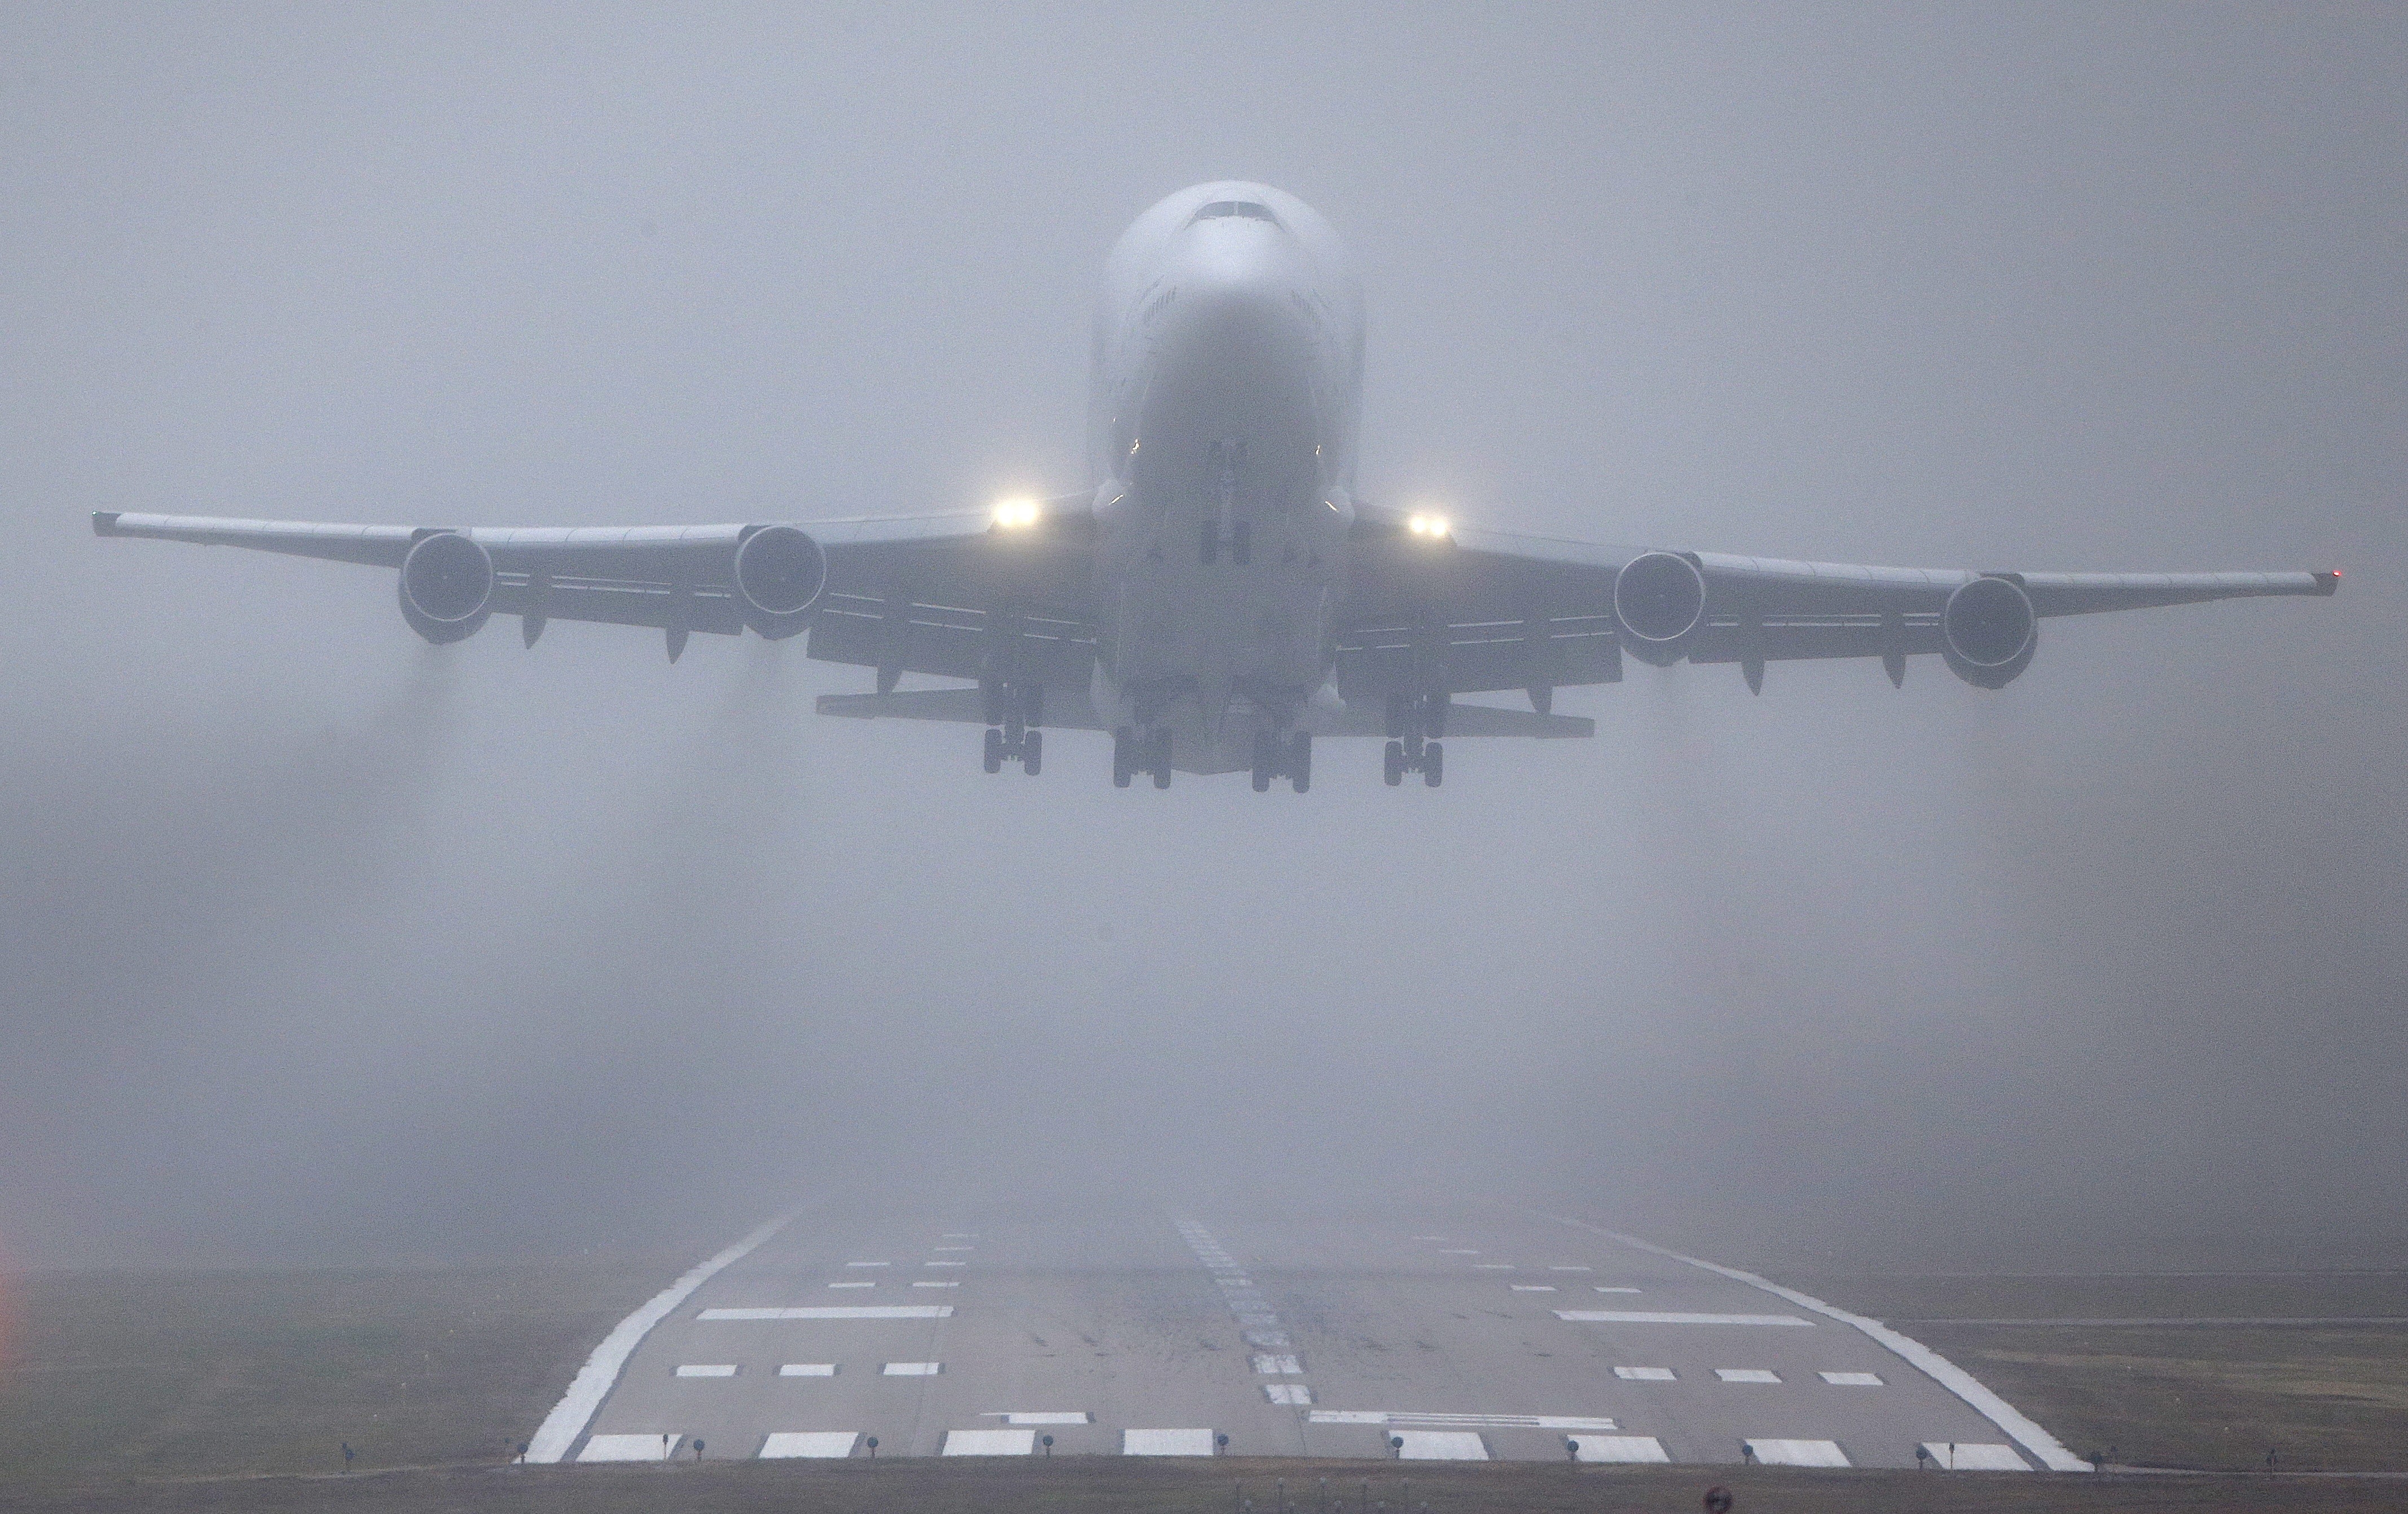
(1247,209)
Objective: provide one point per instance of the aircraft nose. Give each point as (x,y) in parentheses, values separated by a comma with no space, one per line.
(1237,280)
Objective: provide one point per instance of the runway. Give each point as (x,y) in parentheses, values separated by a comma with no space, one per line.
(1155,1333)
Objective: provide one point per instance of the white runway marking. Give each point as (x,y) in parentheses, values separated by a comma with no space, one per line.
(869,1263)
(1429,1238)
(960,1235)
(706,1369)
(1747,1374)
(953,1248)
(1974,1456)
(1603,1289)
(1442,1446)
(1644,1374)
(926,1283)
(948,1263)
(2050,1452)
(1852,1380)
(808,1369)
(912,1369)
(1491,1267)
(1647,1317)
(1457,1250)
(575,1411)
(1166,1442)
(1532,1288)
(838,1311)
(1269,1340)
(823,1444)
(1040,1416)
(1277,1366)
(1800,1453)
(640,1447)
(1571,1269)
(1621,1449)
(852,1285)
(1287,1393)
(1401,1417)
(989,1443)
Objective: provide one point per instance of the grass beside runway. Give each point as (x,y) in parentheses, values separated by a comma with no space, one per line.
(1118,1485)
(2202,1396)
(118,1376)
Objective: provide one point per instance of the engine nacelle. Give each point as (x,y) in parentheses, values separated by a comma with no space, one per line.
(447,587)
(1659,601)
(1987,632)
(779,573)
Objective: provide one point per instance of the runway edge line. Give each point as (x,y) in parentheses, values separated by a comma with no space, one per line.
(2025,1432)
(594,1380)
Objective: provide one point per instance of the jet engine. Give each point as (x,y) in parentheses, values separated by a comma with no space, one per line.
(1659,601)
(447,587)
(780,572)
(1987,632)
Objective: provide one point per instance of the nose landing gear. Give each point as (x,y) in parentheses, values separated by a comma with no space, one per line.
(1012,713)
(1134,754)
(1287,757)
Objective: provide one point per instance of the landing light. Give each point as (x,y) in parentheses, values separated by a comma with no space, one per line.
(1015,514)
(1427,525)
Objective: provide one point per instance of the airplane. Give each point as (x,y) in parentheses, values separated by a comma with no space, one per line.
(1219,596)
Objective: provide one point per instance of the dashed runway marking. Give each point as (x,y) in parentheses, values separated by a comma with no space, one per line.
(1800,1453)
(1442,1446)
(1852,1380)
(1568,1268)
(1166,1442)
(912,1369)
(989,1443)
(1458,1251)
(706,1369)
(637,1447)
(1644,1374)
(1747,1374)
(808,1369)
(1603,1289)
(1620,1449)
(1491,1267)
(1277,1366)
(824,1444)
(927,1284)
(953,1248)
(946,1264)
(869,1263)
(1402,1418)
(838,1311)
(1532,1288)
(852,1285)
(1974,1456)
(1287,1393)
(1040,1416)
(1648,1317)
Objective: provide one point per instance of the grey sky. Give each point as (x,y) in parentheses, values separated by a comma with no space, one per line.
(318,943)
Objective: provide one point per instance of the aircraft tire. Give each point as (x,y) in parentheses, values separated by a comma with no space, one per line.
(1032,752)
(1393,767)
(1433,764)
(994,750)
(1122,769)
(1299,761)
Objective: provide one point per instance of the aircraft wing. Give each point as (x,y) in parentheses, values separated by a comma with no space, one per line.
(915,594)
(1459,609)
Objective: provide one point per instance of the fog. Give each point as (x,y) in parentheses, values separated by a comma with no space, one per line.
(321,945)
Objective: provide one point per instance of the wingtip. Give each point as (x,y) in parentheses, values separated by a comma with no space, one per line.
(104,523)
(2329,581)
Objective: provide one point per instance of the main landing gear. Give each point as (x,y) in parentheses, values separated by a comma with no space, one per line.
(1134,754)
(1414,725)
(1287,757)
(1012,713)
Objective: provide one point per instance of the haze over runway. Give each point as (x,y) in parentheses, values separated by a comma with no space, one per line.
(323,946)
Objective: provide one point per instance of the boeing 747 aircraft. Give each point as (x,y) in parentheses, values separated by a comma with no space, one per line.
(1219,596)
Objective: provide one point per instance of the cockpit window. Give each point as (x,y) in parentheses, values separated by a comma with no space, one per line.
(1247,209)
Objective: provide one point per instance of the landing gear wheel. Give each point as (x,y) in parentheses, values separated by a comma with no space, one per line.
(1265,760)
(994,750)
(1032,752)
(1162,758)
(1299,761)
(1124,752)
(1433,764)
(1393,769)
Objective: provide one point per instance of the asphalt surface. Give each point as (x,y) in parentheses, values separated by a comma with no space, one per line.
(1137,1331)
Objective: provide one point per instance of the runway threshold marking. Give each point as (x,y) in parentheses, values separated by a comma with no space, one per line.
(575,1411)
(1669,1318)
(1798,1453)
(989,1443)
(1442,1446)
(650,1447)
(1292,1393)
(836,1311)
(1623,1448)
(1039,1416)
(1974,1456)
(1431,1421)
(2020,1427)
(827,1445)
(1166,1442)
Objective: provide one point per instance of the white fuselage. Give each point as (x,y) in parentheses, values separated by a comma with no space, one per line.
(1227,398)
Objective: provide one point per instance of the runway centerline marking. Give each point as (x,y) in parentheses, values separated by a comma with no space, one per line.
(1852,1380)
(869,1263)
(852,1285)
(1747,1374)
(808,1369)
(1532,1288)
(836,1311)
(927,1284)
(912,1369)
(2021,1427)
(1278,1367)
(1644,1374)
(1667,1317)
(1292,1393)
(1604,1288)
(706,1369)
